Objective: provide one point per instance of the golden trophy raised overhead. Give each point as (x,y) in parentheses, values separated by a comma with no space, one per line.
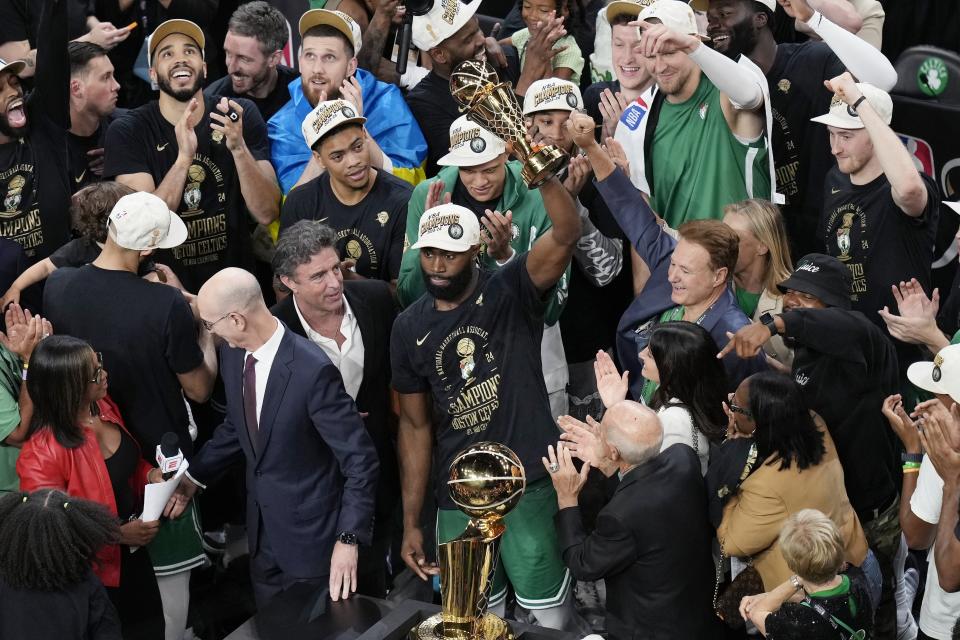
(486,482)
(492,105)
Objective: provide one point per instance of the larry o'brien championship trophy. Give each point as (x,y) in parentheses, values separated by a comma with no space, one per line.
(492,105)
(486,482)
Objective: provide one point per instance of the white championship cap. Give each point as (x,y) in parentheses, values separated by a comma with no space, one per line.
(449,227)
(842,115)
(327,116)
(471,145)
(14,66)
(336,19)
(676,16)
(142,221)
(444,19)
(940,376)
(552,94)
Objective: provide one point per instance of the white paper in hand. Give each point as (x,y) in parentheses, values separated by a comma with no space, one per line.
(156,495)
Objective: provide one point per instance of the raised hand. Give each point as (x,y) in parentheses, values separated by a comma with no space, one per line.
(351,92)
(230,125)
(186,136)
(657,38)
(584,441)
(578,173)
(611,108)
(610,383)
(435,195)
(900,422)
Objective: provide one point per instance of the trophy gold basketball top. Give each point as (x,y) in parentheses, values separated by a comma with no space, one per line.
(492,105)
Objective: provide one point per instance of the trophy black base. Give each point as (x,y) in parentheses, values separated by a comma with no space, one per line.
(492,628)
(300,613)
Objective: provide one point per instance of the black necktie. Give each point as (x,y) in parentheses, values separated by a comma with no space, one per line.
(250,398)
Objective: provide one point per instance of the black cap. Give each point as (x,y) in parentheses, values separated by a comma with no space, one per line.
(822,276)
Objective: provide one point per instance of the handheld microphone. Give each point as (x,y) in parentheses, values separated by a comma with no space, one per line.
(169,456)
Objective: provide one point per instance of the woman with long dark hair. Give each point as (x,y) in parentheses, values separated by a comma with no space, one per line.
(688,387)
(47,590)
(77,443)
(797,468)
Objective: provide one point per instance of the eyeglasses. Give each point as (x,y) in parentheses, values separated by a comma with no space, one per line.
(735,408)
(99,370)
(209,325)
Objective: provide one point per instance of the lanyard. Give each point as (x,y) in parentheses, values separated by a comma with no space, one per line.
(835,622)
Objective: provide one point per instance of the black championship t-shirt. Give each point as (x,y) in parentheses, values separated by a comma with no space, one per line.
(481,363)
(79,147)
(34,183)
(435,109)
(268,105)
(370,232)
(880,244)
(801,148)
(212,207)
(147,335)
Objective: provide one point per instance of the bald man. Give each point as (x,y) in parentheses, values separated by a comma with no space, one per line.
(651,544)
(311,465)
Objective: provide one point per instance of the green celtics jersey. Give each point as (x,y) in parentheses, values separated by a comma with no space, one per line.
(699,165)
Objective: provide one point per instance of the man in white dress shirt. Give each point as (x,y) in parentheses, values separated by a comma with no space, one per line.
(351,322)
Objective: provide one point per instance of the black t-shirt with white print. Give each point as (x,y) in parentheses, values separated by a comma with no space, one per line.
(34,183)
(370,232)
(212,207)
(881,245)
(801,148)
(481,364)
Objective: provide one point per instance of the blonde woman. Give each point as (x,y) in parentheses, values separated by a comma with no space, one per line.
(763,262)
(817,602)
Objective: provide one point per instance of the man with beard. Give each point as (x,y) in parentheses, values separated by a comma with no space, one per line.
(795,74)
(449,34)
(469,349)
(477,175)
(328,70)
(256,35)
(207,159)
(34,179)
(93,107)
(706,139)
(366,206)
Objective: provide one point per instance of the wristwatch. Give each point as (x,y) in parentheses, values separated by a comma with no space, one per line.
(770,322)
(347,537)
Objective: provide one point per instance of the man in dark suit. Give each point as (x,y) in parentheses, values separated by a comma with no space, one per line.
(651,544)
(311,466)
(351,322)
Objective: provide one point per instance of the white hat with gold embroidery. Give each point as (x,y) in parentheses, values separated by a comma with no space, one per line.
(940,376)
(444,19)
(552,94)
(326,117)
(676,16)
(471,145)
(449,227)
(843,116)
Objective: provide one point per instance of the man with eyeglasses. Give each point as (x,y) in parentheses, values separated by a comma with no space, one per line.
(846,367)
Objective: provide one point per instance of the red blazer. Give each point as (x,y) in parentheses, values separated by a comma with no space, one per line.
(46,464)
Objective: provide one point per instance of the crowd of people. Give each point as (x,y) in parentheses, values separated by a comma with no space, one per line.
(712,339)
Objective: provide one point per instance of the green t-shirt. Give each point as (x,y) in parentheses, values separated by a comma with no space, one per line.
(10,381)
(700,166)
(747,301)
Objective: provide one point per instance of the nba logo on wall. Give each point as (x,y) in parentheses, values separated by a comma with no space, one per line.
(921,152)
